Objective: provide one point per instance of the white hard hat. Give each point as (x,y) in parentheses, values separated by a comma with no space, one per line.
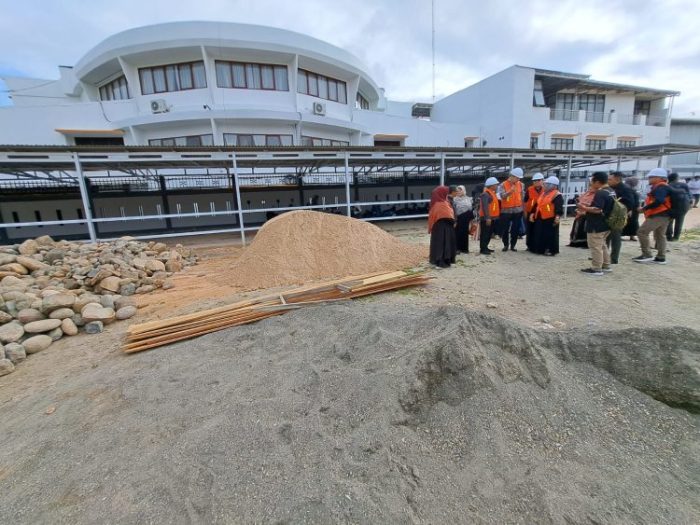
(658,172)
(517,172)
(537,176)
(491,181)
(552,180)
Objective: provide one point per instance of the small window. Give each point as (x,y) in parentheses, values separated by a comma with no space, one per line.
(59,215)
(268,77)
(79,213)
(534,142)
(313,84)
(302,85)
(15,217)
(186,77)
(239,76)
(223,75)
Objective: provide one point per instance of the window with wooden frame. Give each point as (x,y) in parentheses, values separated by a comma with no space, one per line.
(321,86)
(243,75)
(172,77)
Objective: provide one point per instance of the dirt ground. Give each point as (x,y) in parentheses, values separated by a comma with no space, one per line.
(81,415)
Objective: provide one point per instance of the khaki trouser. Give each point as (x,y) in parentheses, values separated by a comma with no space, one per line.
(657,225)
(600,256)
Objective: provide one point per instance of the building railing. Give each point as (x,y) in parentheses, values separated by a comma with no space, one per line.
(597,116)
(563,114)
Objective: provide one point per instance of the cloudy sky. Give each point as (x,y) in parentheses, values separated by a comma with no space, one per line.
(644,42)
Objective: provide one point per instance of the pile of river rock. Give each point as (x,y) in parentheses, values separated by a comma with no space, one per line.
(50,289)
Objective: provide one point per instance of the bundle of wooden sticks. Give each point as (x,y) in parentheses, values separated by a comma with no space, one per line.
(165,331)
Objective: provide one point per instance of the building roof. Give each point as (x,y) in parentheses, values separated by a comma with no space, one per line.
(686,121)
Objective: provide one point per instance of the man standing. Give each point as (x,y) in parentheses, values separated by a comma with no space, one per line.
(531,195)
(597,229)
(694,186)
(511,193)
(626,196)
(489,211)
(657,213)
(675,225)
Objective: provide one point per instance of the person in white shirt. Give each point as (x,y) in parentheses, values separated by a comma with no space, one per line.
(694,186)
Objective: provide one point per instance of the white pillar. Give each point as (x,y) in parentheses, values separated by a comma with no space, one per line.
(442,169)
(568,188)
(238,198)
(84,197)
(347,186)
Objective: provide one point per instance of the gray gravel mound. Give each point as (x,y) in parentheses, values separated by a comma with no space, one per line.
(368,413)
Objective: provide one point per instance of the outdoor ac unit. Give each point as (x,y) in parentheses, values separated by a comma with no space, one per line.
(159,106)
(319,108)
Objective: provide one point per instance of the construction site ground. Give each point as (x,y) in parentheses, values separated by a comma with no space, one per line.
(82,424)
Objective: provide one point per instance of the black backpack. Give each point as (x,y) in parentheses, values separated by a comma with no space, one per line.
(679,201)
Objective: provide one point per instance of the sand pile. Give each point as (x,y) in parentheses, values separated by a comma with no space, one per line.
(368,413)
(303,246)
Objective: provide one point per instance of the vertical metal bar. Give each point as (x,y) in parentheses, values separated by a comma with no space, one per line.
(442,169)
(568,188)
(237,182)
(164,200)
(618,163)
(347,186)
(512,159)
(84,196)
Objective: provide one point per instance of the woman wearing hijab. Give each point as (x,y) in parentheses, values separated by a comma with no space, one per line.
(548,212)
(441,220)
(578,237)
(463,210)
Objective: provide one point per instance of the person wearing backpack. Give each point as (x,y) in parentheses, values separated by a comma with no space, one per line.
(657,213)
(597,229)
(675,225)
(626,196)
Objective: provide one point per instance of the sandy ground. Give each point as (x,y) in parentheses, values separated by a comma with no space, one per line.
(84,407)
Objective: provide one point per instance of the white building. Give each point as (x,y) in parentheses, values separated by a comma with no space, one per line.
(685,131)
(215,83)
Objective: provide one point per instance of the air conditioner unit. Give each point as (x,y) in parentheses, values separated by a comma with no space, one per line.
(159,105)
(319,108)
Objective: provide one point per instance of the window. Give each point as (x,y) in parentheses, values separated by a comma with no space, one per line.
(564,107)
(173,77)
(594,106)
(59,215)
(595,144)
(642,107)
(468,143)
(622,143)
(361,102)
(538,94)
(117,89)
(189,140)
(562,144)
(534,142)
(249,140)
(317,141)
(251,76)
(321,86)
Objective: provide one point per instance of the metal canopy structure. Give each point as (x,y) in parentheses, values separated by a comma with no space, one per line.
(79,166)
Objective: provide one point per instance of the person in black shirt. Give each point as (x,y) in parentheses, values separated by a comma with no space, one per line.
(675,225)
(597,229)
(627,197)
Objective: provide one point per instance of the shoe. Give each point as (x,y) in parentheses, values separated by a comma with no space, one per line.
(487,252)
(643,259)
(658,260)
(676,239)
(513,249)
(591,271)
(505,249)
(606,269)
(490,250)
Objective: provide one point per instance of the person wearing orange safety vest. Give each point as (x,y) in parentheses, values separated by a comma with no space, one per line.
(657,214)
(546,215)
(531,195)
(489,211)
(512,194)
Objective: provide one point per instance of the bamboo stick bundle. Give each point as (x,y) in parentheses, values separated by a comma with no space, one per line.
(152,334)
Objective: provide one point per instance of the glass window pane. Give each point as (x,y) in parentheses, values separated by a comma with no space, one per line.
(171,77)
(181,141)
(313,84)
(229,139)
(207,140)
(194,140)
(199,75)
(273,140)
(146,81)
(154,142)
(307,141)
(159,80)
(245,140)
(239,76)
(302,86)
(323,87)
(332,90)
(103,93)
(259,140)
(286,140)
(185,76)
(168,142)
(252,76)
(341,93)
(223,75)
(281,83)
(123,89)
(268,77)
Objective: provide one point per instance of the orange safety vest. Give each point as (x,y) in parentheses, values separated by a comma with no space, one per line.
(533,194)
(545,208)
(515,199)
(494,207)
(659,209)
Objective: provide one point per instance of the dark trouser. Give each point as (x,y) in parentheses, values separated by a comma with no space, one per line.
(485,235)
(614,241)
(696,199)
(510,224)
(675,227)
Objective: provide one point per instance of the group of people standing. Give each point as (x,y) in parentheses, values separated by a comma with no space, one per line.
(608,211)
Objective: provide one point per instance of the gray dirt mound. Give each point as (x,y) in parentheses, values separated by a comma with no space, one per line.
(303,246)
(367,413)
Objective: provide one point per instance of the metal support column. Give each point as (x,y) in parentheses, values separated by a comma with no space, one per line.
(442,169)
(347,187)
(512,160)
(237,185)
(618,162)
(164,200)
(4,238)
(85,198)
(568,188)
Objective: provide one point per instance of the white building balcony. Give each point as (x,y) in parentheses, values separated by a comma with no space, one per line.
(572,115)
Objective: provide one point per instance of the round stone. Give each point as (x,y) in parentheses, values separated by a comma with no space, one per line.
(45,325)
(96,312)
(110,284)
(5,317)
(56,333)
(6,367)
(59,300)
(29,315)
(68,327)
(15,352)
(37,343)
(94,327)
(62,313)
(126,312)
(30,263)
(11,332)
